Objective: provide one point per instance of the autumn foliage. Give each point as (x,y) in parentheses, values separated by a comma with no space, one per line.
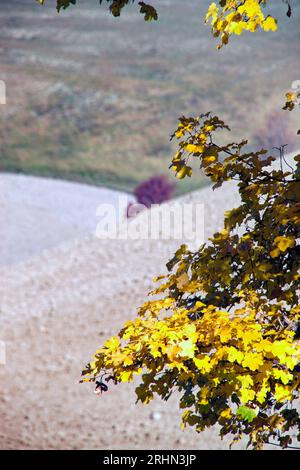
(223,327)
(225,333)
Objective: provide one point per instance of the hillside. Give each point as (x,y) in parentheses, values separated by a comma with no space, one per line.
(40,213)
(94,99)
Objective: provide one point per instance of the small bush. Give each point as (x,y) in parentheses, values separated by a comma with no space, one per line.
(154,190)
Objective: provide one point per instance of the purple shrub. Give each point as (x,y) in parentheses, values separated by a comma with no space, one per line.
(275,132)
(155,190)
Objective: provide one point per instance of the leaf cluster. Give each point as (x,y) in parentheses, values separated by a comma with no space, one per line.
(225,329)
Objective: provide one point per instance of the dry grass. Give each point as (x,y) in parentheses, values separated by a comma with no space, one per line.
(94,99)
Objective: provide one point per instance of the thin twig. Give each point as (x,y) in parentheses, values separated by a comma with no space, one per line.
(278,445)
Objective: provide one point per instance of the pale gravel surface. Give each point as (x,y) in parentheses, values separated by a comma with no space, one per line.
(39,213)
(56,308)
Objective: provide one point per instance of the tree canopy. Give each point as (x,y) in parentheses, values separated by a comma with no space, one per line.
(225,332)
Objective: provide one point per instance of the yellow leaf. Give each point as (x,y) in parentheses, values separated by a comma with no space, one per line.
(183,172)
(283,375)
(225,334)
(203,364)
(172,351)
(187,348)
(212,11)
(247,395)
(226,414)
(120,358)
(282,393)
(113,343)
(262,394)
(207,160)
(270,24)
(252,361)
(281,245)
(126,376)
(235,355)
(245,380)
(237,27)
(191,148)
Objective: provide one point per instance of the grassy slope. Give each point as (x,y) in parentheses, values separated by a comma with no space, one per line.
(94,99)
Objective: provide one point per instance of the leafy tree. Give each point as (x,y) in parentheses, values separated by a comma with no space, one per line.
(224,327)
(225,332)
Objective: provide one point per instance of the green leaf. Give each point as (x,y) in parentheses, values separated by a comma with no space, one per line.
(246,413)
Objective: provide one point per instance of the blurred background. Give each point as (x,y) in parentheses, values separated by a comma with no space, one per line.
(94,99)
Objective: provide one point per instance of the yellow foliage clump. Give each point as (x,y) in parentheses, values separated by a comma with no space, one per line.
(225,330)
(237,16)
